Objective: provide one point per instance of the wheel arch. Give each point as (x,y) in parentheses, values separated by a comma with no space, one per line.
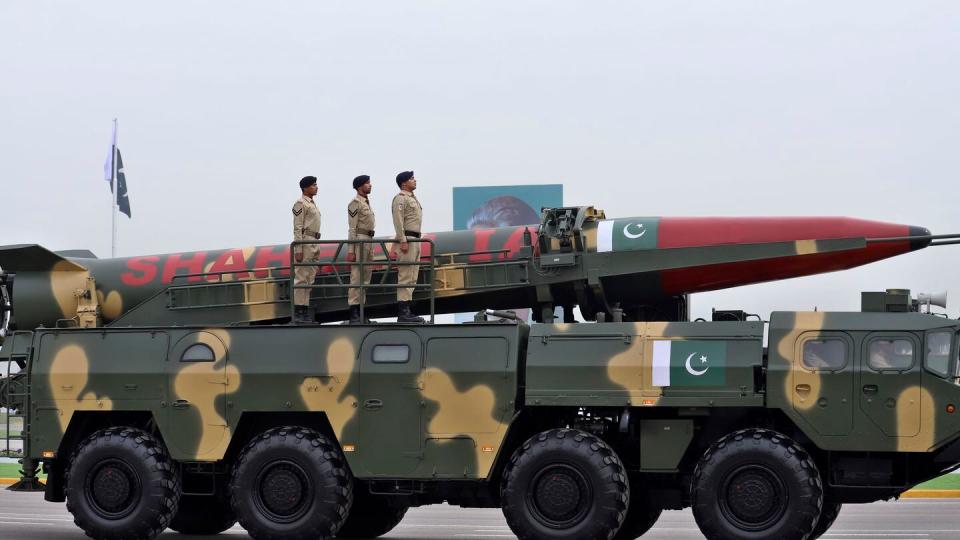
(251,424)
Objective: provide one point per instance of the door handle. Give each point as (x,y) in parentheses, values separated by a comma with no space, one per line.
(372,404)
(180,404)
(803,389)
(870,389)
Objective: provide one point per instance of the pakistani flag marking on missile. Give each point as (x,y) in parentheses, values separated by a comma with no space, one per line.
(689,363)
(627,234)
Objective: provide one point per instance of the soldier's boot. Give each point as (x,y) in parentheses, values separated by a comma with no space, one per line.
(301,315)
(355,315)
(405,315)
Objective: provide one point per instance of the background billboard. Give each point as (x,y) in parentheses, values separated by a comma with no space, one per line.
(487,207)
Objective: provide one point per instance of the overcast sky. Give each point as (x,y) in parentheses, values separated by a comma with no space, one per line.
(639,108)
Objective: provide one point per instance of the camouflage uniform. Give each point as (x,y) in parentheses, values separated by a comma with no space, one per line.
(361,223)
(306,226)
(407,219)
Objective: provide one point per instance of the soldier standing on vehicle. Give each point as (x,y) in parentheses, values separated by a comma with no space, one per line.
(306,226)
(407,219)
(361,221)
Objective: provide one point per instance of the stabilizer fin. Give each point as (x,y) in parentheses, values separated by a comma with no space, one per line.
(34,258)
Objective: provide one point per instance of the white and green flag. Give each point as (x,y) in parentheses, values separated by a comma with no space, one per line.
(689,363)
(628,234)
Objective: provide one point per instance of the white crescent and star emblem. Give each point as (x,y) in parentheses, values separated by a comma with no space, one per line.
(628,234)
(696,372)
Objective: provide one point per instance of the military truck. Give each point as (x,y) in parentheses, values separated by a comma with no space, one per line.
(578,431)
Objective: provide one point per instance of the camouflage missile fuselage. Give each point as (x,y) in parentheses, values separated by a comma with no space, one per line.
(636,262)
(450,402)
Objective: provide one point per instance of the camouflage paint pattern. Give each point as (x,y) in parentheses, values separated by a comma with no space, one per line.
(456,391)
(462,403)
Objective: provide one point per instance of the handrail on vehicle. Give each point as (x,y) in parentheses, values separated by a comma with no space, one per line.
(429,263)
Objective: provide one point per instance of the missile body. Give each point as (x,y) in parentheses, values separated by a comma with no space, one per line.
(643,265)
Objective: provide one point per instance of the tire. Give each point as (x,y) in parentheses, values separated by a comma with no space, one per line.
(642,515)
(828,515)
(203,515)
(564,484)
(371,515)
(756,484)
(291,483)
(121,484)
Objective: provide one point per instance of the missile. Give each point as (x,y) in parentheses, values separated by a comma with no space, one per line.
(645,266)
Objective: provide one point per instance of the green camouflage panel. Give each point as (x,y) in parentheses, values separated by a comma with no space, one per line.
(866,381)
(430,402)
(645,364)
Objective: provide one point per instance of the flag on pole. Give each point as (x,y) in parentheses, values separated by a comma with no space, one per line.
(109,168)
(123,200)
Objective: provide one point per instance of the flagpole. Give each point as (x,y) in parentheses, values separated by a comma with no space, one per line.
(115,191)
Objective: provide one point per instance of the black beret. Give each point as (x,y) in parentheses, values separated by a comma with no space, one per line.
(360,180)
(403,177)
(307,181)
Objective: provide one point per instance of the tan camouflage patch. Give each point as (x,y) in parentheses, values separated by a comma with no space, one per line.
(69,374)
(632,369)
(65,280)
(804,321)
(472,412)
(806,247)
(328,394)
(203,384)
(111,306)
(907,403)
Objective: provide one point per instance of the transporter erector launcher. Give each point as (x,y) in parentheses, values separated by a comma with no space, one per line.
(644,266)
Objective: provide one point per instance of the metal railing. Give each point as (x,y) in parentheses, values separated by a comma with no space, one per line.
(206,285)
(14,396)
(427,262)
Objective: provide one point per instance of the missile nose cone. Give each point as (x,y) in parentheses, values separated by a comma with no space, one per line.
(922,242)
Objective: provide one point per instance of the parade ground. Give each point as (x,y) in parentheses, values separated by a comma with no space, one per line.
(28,517)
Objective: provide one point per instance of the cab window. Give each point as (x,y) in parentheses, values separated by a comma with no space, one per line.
(824,354)
(938,353)
(956,364)
(890,355)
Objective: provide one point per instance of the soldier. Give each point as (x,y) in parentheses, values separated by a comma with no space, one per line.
(407,219)
(360,221)
(306,226)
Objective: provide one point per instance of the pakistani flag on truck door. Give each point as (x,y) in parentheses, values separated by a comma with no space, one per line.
(689,363)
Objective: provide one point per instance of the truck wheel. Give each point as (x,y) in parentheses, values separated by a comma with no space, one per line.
(371,515)
(756,484)
(203,514)
(828,515)
(564,484)
(641,516)
(121,484)
(291,482)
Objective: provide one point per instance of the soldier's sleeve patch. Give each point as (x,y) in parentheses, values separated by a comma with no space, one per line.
(297,210)
(353,208)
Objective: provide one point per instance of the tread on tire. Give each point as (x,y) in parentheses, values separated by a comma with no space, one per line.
(565,484)
(121,484)
(756,484)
